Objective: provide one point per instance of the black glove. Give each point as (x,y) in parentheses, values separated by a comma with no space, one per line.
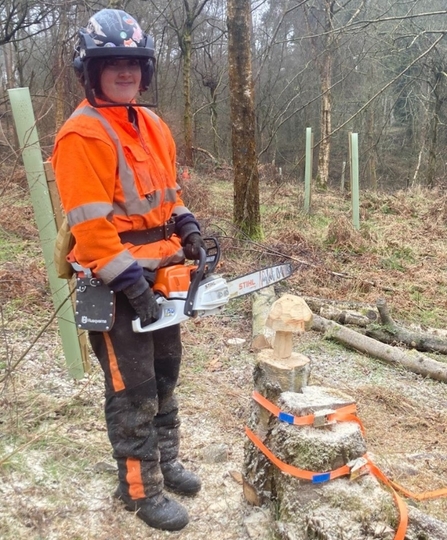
(143,301)
(192,245)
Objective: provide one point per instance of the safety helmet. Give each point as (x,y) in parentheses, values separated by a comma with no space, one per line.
(111,33)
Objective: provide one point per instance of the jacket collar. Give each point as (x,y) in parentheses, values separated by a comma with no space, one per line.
(120,114)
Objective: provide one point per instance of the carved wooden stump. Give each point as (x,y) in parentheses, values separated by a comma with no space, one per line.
(277,370)
(316,507)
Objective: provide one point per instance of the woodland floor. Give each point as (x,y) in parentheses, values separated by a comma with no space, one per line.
(56,470)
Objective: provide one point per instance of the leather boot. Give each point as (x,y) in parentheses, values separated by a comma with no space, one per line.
(158,511)
(179,480)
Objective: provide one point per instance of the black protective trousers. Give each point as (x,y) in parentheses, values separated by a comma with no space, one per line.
(141,372)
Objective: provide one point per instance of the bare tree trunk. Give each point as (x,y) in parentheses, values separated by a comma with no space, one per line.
(213,112)
(322,50)
(183,22)
(8,52)
(434,123)
(187,115)
(325,120)
(59,73)
(372,150)
(246,212)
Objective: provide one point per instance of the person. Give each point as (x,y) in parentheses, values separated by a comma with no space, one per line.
(114,163)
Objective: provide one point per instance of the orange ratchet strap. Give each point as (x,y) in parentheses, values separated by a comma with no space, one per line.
(355,469)
(314,477)
(403,510)
(318,478)
(344,414)
(419,496)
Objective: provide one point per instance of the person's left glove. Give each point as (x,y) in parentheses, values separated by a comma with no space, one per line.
(143,301)
(192,245)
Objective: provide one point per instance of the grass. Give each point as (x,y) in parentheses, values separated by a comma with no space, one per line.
(10,247)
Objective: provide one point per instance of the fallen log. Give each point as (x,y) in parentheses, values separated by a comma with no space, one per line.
(369,317)
(315,303)
(343,311)
(410,360)
(392,333)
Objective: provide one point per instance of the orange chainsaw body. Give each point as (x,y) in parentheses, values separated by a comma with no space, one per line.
(172,280)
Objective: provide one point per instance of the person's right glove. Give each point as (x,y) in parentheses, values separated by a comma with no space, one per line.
(192,245)
(143,301)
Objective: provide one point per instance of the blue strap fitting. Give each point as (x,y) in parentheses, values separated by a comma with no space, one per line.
(320,478)
(286,417)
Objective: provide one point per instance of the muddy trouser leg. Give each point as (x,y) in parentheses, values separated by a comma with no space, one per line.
(167,354)
(131,404)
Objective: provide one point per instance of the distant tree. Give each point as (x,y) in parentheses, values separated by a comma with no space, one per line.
(210,68)
(246,211)
(22,19)
(183,18)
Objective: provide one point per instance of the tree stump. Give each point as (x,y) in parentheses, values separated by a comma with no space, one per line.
(309,448)
(315,507)
(277,370)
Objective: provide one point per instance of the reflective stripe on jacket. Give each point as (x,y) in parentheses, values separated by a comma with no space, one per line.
(113,177)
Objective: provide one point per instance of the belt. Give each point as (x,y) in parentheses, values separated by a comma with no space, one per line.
(149,236)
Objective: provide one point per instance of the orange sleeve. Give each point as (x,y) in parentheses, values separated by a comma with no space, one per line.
(85,173)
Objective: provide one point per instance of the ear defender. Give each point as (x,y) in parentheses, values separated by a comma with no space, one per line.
(147,72)
(78,67)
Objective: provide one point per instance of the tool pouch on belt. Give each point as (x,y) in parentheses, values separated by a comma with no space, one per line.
(64,244)
(95,305)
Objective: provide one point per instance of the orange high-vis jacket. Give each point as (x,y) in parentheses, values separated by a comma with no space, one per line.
(113,177)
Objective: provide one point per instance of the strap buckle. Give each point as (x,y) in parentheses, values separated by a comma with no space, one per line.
(358,467)
(80,270)
(321,418)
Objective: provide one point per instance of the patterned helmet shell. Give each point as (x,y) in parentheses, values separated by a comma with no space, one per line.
(115,28)
(113,32)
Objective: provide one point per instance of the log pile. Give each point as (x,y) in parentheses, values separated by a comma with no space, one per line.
(379,336)
(410,360)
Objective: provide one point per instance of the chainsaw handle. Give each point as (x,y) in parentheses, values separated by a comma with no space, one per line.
(196,278)
(212,249)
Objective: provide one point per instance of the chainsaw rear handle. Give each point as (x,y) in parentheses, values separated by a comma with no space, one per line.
(171,312)
(196,278)
(171,309)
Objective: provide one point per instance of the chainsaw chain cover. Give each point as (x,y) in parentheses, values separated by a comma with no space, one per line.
(95,305)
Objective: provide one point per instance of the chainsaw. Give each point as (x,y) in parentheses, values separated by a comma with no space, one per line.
(195,290)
